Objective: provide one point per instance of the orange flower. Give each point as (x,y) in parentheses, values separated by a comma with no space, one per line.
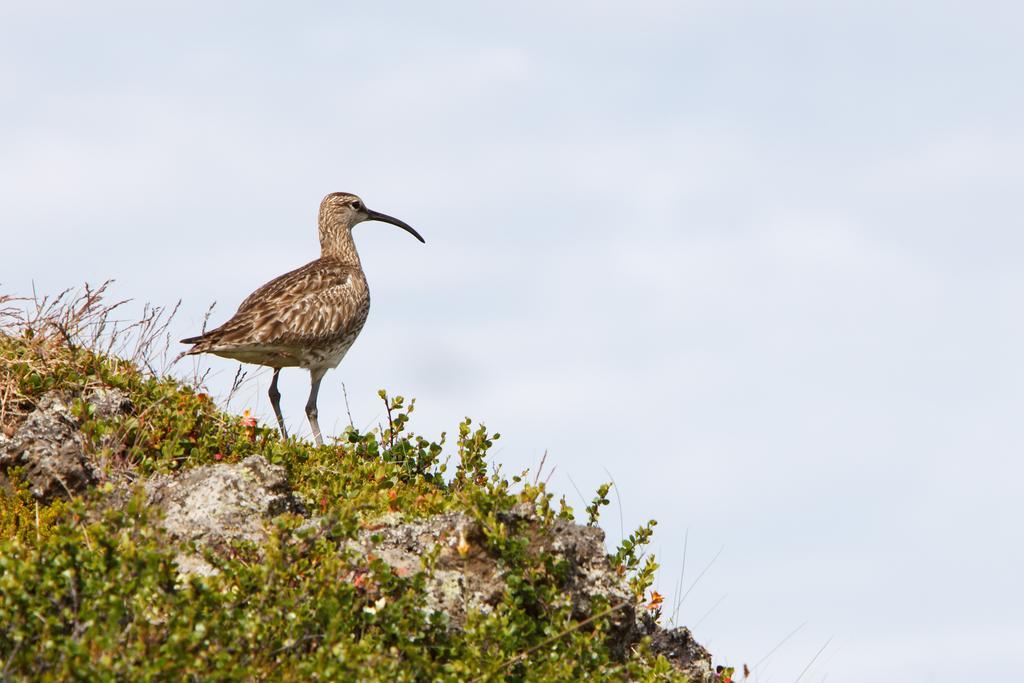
(656,600)
(463,546)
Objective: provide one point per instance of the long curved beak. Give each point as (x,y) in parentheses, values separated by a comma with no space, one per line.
(383,217)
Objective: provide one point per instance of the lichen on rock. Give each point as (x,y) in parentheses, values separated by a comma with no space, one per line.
(50,448)
(679,647)
(215,505)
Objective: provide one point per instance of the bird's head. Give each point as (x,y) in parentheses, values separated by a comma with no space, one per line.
(341,210)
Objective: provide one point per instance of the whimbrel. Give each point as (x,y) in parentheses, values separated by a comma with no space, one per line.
(307,318)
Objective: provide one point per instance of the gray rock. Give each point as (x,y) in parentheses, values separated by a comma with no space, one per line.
(678,646)
(107,402)
(50,447)
(214,505)
(590,573)
(51,450)
(465,577)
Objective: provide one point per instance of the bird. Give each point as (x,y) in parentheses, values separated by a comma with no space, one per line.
(308,317)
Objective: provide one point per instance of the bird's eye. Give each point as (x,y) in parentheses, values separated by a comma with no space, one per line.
(358,206)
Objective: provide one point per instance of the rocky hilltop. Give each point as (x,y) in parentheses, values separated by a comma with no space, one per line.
(145,533)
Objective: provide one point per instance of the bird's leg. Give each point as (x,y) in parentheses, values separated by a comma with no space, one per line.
(315,376)
(275,401)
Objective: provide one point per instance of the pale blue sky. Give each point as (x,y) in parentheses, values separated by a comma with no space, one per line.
(759,261)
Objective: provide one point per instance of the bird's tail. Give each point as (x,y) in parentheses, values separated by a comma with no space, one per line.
(200,344)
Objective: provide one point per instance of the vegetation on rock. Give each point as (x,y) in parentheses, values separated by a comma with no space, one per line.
(90,588)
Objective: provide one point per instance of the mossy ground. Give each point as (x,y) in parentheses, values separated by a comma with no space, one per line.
(97,597)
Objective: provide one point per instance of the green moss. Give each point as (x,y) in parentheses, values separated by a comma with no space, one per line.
(21,517)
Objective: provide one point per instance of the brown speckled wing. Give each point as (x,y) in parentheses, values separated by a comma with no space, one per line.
(307,307)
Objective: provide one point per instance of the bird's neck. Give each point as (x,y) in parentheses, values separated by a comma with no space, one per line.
(336,243)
